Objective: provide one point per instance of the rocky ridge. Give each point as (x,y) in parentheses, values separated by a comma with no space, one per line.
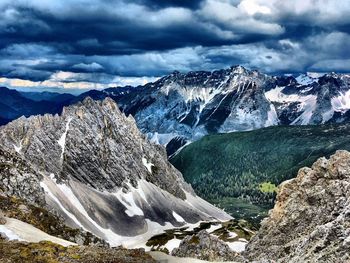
(99,173)
(311,218)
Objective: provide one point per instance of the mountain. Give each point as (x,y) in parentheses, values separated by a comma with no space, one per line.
(14,104)
(179,108)
(48,96)
(194,104)
(316,101)
(310,220)
(97,171)
(249,165)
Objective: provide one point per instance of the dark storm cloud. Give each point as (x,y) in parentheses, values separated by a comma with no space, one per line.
(99,39)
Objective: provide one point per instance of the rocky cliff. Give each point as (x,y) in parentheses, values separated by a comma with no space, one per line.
(98,172)
(311,218)
(19,179)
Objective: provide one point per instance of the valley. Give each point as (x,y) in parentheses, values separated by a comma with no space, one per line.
(232,178)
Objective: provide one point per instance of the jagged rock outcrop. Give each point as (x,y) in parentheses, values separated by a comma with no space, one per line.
(17,178)
(311,218)
(102,175)
(91,127)
(2,218)
(206,247)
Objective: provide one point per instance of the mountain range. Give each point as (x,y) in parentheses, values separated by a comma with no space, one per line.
(180,108)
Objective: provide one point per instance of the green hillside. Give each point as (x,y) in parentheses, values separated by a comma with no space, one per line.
(248,165)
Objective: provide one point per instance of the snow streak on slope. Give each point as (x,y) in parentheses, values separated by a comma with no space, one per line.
(178,217)
(62,140)
(147,164)
(308,107)
(44,184)
(128,201)
(306,103)
(341,102)
(18,148)
(272,118)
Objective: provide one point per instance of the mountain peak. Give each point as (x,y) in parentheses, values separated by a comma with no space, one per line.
(98,166)
(238,69)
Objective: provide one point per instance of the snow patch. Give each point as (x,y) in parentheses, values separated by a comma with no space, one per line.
(326,116)
(238,246)
(307,104)
(178,218)
(18,148)
(213,228)
(232,234)
(305,79)
(127,199)
(29,233)
(342,102)
(9,233)
(147,164)
(272,118)
(307,107)
(277,95)
(171,244)
(62,140)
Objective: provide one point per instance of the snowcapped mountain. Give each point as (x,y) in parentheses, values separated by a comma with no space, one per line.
(322,100)
(97,171)
(184,107)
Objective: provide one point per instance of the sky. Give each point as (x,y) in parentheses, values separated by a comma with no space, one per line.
(86,44)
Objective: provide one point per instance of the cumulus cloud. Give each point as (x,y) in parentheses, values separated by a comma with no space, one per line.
(93,67)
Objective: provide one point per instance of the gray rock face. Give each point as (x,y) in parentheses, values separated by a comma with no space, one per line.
(2,218)
(311,218)
(206,247)
(18,179)
(101,174)
(93,142)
